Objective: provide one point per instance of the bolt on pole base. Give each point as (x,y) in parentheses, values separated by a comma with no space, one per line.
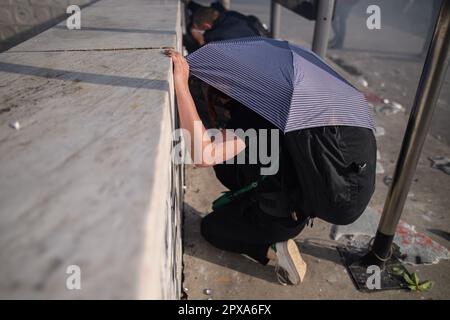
(357,262)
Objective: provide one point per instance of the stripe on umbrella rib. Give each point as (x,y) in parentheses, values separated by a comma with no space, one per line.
(246,100)
(238,41)
(300,51)
(264,106)
(216,81)
(203,55)
(328,117)
(314,103)
(265,112)
(325,124)
(297,74)
(274,104)
(316,100)
(307,113)
(258,42)
(207,56)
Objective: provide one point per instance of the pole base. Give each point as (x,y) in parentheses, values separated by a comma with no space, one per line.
(357,261)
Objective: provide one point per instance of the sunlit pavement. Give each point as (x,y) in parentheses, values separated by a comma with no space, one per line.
(390,72)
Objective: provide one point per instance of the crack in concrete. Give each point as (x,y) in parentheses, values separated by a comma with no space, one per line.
(90,50)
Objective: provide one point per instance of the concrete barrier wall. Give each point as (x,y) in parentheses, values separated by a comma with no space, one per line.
(87,180)
(20,19)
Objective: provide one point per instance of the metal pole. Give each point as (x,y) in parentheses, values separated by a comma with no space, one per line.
(275,13)
(322,27)
(226,4)
(433,73)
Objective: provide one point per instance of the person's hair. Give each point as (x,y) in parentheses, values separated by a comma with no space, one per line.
(205,15)
(216,93)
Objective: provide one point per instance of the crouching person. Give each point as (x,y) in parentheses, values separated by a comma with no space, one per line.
(325,172)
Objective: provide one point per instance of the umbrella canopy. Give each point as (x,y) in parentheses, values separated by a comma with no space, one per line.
(288,85)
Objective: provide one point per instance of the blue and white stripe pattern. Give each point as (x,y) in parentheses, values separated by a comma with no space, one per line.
(288,85)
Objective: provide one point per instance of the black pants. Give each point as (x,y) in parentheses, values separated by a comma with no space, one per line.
(243,228)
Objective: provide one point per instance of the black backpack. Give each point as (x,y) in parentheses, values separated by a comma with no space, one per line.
(335,167)
(334,173)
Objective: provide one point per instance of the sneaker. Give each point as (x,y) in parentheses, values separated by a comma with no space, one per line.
(290,267)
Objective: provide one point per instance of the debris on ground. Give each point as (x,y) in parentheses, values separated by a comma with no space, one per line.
(379,131)
(388,107)
(427,218)
(362,81)
(431,215)
(379,168)
(208,292)
(412,279)
(372,98)
(440,163)
(415,247)
(15,125)
(387,180)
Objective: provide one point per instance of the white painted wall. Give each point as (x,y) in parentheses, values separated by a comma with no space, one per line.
(88,180)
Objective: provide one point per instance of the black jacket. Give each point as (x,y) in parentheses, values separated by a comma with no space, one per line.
(230,25)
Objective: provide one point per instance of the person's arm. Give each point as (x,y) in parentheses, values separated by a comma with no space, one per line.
(228,146)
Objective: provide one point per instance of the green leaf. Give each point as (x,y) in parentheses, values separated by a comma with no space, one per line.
(412,287)
(415,278)
(408,279)
(426,285)
(398,270)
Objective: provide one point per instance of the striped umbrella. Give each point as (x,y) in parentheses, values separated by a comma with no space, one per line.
(288,85)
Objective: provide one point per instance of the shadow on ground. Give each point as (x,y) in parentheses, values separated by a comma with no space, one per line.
(197,247)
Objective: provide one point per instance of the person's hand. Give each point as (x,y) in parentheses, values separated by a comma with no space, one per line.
(180,67)
(198,36)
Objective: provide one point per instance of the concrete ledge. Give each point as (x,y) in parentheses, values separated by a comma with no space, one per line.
(22,19)
(113,25)
(88,180)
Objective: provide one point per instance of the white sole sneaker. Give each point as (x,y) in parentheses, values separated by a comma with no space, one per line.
(291,262)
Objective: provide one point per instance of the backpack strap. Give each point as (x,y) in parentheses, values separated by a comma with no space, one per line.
(229,196)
